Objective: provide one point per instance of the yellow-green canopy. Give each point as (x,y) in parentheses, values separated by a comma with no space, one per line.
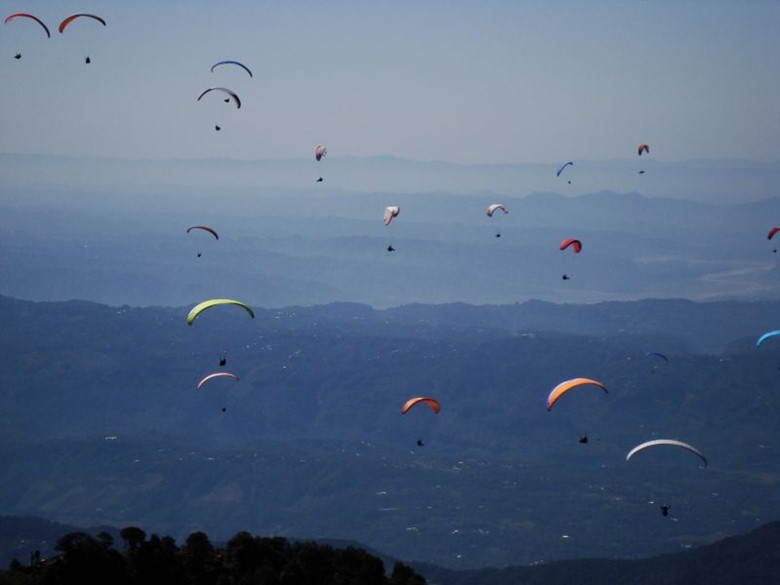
(200,307)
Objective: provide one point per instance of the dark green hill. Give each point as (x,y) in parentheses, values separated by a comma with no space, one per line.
(750,559)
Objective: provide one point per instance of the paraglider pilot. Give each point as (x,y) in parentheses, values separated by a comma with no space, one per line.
(665,509)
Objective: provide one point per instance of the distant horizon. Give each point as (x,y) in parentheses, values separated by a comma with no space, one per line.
(391,156)
(712,181)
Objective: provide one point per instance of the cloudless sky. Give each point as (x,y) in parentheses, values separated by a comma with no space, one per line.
(461,81)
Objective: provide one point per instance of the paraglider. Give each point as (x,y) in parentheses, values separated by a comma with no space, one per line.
(559,170)
(666,442)
(391,213)
(319,152)
(491,209)
(25,15)
(231,95)
(642,148)
(204,228)
(237,63)
(575,245)
(766,336)
(567,385)
(205,379)
(65,23)
(200,307)
(432,403)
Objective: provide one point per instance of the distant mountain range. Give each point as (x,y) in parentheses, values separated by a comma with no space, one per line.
(702,180)
(115,232)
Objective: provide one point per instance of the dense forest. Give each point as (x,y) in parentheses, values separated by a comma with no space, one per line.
(83,558)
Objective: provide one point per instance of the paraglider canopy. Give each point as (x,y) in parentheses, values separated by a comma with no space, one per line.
(575,244)
(561,167)
(567,385)
(215,375)
(772,232)
(490,209)
(200,307)
(205,228)
(64,24)
(667,442)
(11,17)
(320,151)
(766,336)
(232,95)
(643,148)
(433,404)
(391,212)
(237,63)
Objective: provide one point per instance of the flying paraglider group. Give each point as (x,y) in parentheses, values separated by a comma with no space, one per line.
(568,246)
(65,24)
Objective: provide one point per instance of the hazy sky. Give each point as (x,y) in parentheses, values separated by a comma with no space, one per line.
(462,81)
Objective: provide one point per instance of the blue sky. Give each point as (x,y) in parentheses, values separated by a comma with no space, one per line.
(468,82)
